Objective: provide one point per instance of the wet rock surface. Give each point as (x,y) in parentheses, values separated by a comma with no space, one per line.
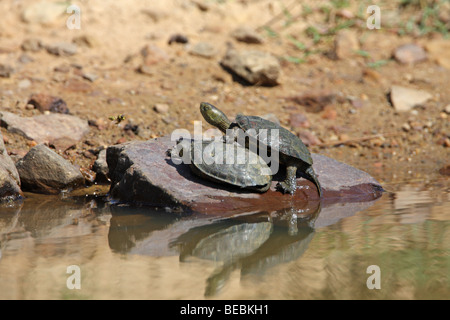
(141,172)
(44,171)
(9,177)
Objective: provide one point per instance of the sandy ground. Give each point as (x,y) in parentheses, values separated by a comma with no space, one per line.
(413,145)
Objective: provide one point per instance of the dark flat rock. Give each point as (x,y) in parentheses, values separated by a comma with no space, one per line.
(142,173)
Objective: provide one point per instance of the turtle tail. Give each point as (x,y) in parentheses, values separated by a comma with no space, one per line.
(310,172)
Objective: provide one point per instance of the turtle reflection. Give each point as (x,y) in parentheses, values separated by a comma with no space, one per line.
(252,243)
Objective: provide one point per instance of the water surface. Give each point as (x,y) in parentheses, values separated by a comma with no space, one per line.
(144,253)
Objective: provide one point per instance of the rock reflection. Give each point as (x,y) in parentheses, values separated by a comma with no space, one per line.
(252,243)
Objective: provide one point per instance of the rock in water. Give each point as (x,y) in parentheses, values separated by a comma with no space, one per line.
(43,171)
(9,177)
(256,67)
(141,172)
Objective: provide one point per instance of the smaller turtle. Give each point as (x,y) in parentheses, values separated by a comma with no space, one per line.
(292,152)
(211,160)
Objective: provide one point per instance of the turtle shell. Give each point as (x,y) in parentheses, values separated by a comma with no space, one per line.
(231,164)
(289,144)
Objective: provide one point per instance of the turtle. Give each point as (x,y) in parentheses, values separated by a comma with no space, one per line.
(292,151)
(208,160)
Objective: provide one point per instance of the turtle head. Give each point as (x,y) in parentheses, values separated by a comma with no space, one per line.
(214,116)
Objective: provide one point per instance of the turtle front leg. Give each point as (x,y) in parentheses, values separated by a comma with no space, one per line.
(289,185)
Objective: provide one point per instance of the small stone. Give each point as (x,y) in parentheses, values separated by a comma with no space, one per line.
(88,175)
(346,44)
(62,49)
(299,120)
(178,38)
(447,109)
(24,84)
(6,71)
(247,35)
(445,171)
(308,138)
(404,99)
(33,45)
(438,51)
(85,41)
(447,142)
(345,13)
(42,170)
(406,127)
(256,67)
(43,12)
(372,75)
(316,101)
(161,108)
(155,15)
(410,54)
(44,102)
(100,167)
(203,49)
(152,54)
(329,113)
(90,76)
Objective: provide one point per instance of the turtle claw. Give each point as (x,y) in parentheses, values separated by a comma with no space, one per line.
(285,188)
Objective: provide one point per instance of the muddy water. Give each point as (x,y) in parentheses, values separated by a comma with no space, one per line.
(139,253)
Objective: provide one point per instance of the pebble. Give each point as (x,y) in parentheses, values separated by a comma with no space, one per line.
(409,54)
(256,67)
(24,84)
(100,167)
(329,113)
(406,127)
(90,76)
(44,102)
(152,54)
(438,50)
(62,49)
(32,44)
(346,44)
(203,49)
(178,38)
(447,109)
(404,99)
(43,12)
(161,108)
(247,35)
(308,138)
(5,71)
(85,41)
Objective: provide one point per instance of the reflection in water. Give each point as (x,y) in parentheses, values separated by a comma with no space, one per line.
(253,243)
(296,253)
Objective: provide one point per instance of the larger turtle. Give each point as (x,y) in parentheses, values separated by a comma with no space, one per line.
(292,151)
(226,163)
